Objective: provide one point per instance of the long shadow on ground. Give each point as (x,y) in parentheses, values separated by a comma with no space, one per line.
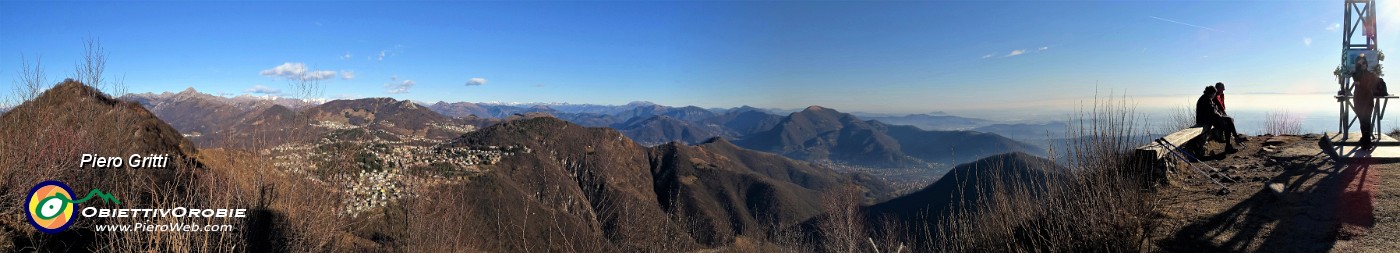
(1319,207)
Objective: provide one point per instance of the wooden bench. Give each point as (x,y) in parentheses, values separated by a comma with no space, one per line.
(1154,156)
(1179,138)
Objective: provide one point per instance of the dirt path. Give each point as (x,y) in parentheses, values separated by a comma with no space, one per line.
(1322,207)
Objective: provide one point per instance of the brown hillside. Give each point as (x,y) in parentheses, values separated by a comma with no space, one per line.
(600,188)
(595,182)
(54,129)
(725,191)
(44,138)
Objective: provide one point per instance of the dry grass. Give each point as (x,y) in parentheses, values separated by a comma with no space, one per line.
(1101,204)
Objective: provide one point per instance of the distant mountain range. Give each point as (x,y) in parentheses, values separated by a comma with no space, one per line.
(503,110)
(1028,131)
(735,123)
(249,121)
(813,134)
(933,121)
(819,133)
(744,120)
(661,129)
(193,112)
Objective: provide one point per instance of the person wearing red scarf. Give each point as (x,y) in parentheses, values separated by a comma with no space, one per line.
(1220,97)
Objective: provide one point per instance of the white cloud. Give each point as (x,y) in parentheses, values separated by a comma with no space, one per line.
(1043,48)
(260,89)
(399,87)
(381,55)
(1307,41)
(987,56)
(347,56)
(347,75)
(297,71)
(1334,27)
(476,81)
(1015,52)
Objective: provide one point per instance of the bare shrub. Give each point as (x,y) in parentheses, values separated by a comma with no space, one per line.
(1282,123)
(786,239)
(843,226)
(893,236)
(1177,118)
(437,225)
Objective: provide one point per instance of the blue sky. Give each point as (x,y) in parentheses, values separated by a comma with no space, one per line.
(893,57)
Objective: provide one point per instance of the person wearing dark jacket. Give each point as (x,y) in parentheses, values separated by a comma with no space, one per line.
(1208,113)
(1364,98)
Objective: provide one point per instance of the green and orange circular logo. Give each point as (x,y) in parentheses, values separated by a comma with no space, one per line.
(50,206)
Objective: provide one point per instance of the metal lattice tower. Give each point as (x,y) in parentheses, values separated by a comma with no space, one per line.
(1358,38)
(1360,14)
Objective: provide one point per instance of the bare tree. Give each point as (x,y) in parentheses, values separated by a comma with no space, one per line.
(31,78)
(119,88)
(307,88)
(29,83)
(94,62)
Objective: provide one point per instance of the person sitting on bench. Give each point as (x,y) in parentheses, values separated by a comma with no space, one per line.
(1208,114)
(1220,98)
(1220,105)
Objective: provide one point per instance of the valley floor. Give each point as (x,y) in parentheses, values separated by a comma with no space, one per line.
(1316,205)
